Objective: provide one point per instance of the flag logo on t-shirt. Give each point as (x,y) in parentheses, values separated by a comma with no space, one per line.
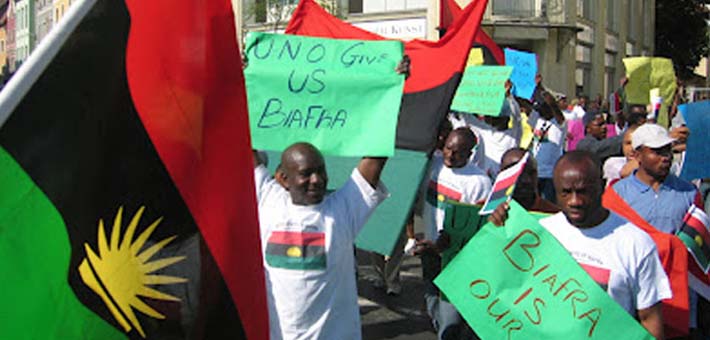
(696,236)
(296,250)
(438,193)
(598,274)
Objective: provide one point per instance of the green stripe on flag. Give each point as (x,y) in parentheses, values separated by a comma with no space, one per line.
(695,249)
(34,252)
(301,263)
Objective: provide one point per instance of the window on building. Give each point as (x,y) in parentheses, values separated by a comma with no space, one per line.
(647,28)
(585,9)
(375,6)
(355,6)
(631,21)
(611,15)
(514,8)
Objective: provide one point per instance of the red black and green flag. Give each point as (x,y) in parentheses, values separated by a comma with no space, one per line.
(504,186)
(296,250)
(695,234)
(127,207)
(436,67)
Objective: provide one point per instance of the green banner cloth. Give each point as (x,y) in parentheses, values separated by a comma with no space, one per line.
(646,73)
(482,90)
(518,282)
(342,96)
(402,175)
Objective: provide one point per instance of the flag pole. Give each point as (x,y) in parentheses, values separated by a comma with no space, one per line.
(39,59)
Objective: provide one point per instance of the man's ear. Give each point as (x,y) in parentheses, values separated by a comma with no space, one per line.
(281,177)
(635,153)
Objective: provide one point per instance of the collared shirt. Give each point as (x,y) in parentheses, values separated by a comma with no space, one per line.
(664,209)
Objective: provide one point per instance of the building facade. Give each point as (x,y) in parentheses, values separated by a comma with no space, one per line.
(60,8)
(580,43)
(10,39)
(25,35)
(44,18)
(3,50)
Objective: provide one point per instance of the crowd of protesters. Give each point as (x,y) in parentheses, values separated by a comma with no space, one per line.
(578,149)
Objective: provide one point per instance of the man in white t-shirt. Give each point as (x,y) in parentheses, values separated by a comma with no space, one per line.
(307,239)
(619,256)
(550,133)
(494,137)
(452,177)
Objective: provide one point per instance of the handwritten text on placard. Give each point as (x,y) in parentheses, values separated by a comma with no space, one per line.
(331,93)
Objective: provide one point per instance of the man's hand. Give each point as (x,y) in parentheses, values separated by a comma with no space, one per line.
(425,246)
(443,241)
(403,66)
(371,168)
(500,215)
(508,86)
(681,134)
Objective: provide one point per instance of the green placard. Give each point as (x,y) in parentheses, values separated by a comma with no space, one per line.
(646,73)
(518,282)
(482,90)
(402,175)
(461,222)
(342,96)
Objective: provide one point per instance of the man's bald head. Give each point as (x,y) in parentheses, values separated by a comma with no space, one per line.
(582,158)
(578,184)
(298,151)
(303,173)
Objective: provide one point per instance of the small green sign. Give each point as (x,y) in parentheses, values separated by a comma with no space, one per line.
(482,90)
(518,282)
(342,96)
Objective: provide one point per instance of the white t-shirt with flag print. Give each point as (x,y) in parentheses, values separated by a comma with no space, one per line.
(619,256)
(309,258)
(468,184)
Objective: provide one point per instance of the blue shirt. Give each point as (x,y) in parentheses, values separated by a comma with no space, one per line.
(664,209)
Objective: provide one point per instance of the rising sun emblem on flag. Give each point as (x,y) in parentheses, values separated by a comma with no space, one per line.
(119,274)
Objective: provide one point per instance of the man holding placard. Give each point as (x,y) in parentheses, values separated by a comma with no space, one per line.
(452,178)
(615,253)
(307,236)
(307,239)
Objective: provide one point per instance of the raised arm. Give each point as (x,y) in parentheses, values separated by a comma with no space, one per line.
(371,168)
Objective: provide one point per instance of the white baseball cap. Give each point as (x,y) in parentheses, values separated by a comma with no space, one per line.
(651,135)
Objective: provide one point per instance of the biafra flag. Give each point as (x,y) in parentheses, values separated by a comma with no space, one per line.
(436,67)
(127,207)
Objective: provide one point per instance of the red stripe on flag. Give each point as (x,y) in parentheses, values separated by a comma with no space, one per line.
(187,85)
(599,275)
(699,227)
(507,182)
(297,238)
(446,191)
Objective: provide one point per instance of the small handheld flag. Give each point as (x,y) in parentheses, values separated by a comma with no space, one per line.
(504,186)
(696,236)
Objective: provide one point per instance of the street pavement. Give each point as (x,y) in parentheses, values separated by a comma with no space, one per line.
(393,317)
